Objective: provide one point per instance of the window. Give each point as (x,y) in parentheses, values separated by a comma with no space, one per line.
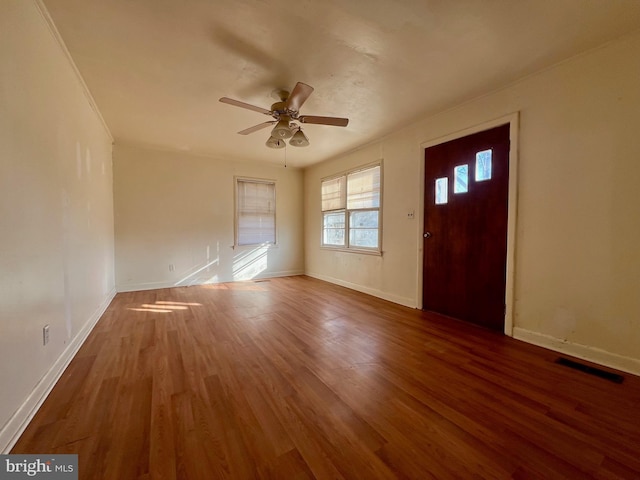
(442,190)
(255,211)
(351,210)
(483,165)
(461,179)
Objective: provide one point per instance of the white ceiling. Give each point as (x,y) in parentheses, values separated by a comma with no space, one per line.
(156,68)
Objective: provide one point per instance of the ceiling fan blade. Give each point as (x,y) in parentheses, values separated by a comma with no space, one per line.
(298,96)
(255,128)
(335,121)
(238,103)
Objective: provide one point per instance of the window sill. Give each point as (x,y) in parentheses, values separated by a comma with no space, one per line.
(363,251)
(254,246)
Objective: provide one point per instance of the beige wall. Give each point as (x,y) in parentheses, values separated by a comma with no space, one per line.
(577,263)
(56,212)
(174,220)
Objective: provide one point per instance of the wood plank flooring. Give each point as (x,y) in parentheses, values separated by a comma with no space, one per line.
(294,378)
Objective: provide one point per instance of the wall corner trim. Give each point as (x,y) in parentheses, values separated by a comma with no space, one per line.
(10,433)
(44,13)
(585,352)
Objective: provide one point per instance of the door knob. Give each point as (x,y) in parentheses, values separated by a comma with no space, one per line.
(427,235)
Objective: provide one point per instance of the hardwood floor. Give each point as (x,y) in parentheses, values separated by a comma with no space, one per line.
(294,378)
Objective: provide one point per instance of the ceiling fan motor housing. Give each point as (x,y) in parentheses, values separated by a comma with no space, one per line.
(278,108)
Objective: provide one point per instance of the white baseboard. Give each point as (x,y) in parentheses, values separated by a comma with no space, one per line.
(585,352)
(137,287)
(407,302)
(16,425)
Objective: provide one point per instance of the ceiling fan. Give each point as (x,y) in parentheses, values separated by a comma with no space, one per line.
(286,113)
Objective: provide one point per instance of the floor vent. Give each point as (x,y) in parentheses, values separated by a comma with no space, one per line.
(612,377)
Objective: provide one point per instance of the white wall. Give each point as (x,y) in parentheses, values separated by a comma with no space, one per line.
(177,209)
(56,212)
(577,265)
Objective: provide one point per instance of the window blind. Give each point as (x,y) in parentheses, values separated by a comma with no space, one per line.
(363,189)
(256,212)
(333,194)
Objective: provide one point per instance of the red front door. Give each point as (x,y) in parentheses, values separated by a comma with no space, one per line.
(465,227)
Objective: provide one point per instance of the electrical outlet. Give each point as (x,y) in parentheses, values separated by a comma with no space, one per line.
(411,214)
(45,334)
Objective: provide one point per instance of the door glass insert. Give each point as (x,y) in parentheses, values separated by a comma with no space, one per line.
(483,165)
(442,187)
(461,179)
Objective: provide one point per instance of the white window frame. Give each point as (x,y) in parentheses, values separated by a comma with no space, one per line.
(237,226)
(347,212)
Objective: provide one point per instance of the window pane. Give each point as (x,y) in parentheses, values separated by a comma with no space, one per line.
(333,194)
(366,237)
(256,212)
(442,187)
(255,229)
(333,229)
(483,165)
(363,188)
(461,179)
(363,229)
(366,219)
(334,220)
(256,196)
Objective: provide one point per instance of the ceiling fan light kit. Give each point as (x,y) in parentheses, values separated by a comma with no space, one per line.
(282,129)
(299,139)
(273,142)
(284,112)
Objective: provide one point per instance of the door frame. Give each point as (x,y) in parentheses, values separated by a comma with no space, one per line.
(513,120)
